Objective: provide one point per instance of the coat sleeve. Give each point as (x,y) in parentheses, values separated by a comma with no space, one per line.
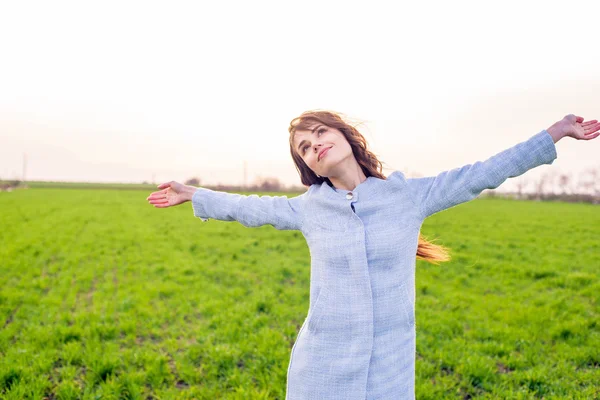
(252,211)
(450,188)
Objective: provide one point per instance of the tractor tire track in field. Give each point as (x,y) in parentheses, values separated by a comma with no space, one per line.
(51,276)
(179,382)
(11,316)
(115,281)
(79,294)
(90,294)
(73,286)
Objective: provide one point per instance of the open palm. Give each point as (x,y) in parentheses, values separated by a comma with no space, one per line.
(172,194)
(575,127)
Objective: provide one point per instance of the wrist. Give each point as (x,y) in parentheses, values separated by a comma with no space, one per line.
(555,132)
(188,192)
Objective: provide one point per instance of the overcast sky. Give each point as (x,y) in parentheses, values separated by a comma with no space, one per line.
(141,91)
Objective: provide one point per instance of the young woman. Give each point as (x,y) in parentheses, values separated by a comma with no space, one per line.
(362,229)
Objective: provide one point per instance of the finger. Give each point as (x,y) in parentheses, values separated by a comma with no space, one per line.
(159,203)
(578,119)
(595,125)
(157,199)
(165,185)
(159,193)
(589,122)
(592,136)
(162,193)
(591,128)
(162,204)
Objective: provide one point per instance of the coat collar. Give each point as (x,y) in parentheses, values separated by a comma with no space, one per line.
(365,190)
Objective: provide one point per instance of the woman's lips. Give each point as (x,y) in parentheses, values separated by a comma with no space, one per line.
(321,155)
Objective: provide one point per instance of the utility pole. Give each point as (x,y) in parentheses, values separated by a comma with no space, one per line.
(245,174)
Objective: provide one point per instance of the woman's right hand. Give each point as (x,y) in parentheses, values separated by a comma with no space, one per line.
(172,194)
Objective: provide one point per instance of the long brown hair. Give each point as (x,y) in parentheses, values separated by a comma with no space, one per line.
(368,162)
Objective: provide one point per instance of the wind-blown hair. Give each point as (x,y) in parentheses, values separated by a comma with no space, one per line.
(367,160)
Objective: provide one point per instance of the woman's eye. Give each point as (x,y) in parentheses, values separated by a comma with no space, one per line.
(319,132)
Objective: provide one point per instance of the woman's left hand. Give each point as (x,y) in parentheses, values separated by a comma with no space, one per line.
(575,127)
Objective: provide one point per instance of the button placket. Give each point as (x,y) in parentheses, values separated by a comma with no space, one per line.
(347,195)
(352,197)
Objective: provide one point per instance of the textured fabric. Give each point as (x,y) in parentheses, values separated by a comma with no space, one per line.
(358,339)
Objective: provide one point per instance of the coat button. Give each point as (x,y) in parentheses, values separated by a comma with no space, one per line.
(349,195)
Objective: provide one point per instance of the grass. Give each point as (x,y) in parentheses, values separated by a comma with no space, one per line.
(104,296)
(84,185)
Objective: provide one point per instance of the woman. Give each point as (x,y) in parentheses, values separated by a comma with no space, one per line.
(362,229)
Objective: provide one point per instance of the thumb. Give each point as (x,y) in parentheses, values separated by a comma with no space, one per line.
(165,185)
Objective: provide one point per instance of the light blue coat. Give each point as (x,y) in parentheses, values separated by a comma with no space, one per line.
(358,339)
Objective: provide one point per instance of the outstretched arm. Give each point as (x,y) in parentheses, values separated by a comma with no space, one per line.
(450,188)
(252,211)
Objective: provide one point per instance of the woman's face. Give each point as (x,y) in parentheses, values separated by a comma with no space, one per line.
(322,148)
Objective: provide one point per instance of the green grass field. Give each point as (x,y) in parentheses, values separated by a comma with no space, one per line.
(104,296)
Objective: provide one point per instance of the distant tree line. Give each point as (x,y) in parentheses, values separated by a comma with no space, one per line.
(549,186)
(260,184)
(7,186)
(552,185)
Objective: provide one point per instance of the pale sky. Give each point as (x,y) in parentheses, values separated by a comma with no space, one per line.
(134,91)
